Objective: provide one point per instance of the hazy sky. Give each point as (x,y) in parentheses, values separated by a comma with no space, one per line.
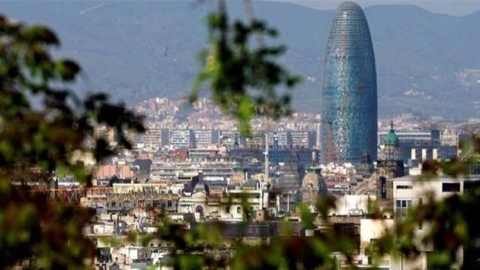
(452,7)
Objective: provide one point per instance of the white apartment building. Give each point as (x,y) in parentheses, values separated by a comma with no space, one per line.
(411,191)
(226,207)
(181,138)
(205,138)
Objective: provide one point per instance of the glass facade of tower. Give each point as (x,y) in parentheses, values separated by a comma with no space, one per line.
(349,93)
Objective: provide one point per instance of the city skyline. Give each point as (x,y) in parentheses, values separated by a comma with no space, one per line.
(170,181)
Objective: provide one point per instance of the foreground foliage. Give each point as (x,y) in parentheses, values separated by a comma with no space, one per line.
(245,80)
(43,127)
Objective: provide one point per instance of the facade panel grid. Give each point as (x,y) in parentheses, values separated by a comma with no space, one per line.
(349,93)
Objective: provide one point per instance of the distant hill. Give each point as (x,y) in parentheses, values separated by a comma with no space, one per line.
(426,63)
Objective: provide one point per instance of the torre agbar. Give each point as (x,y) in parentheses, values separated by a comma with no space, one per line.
(349,93)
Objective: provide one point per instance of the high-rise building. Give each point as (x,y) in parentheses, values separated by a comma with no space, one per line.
(182,139)
(205,138)
(349,93)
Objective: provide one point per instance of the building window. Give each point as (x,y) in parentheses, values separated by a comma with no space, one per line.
(402,207)
(450,187)
(239,210)
(227,209)
(383,187)
(404,187)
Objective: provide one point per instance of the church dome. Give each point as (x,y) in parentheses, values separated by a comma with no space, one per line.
(391,139)
(197,185)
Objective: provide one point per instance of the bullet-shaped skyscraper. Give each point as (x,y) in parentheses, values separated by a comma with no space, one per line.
(349,92)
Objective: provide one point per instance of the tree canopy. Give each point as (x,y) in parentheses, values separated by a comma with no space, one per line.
(43,126)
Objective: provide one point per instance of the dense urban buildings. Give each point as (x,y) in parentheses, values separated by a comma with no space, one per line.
(198,171)
(349,94)
(193,166)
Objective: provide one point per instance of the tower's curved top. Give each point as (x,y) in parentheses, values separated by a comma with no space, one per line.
(349,92)
(348,5)
(349,29)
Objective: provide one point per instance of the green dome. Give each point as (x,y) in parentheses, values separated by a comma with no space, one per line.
(391,139)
